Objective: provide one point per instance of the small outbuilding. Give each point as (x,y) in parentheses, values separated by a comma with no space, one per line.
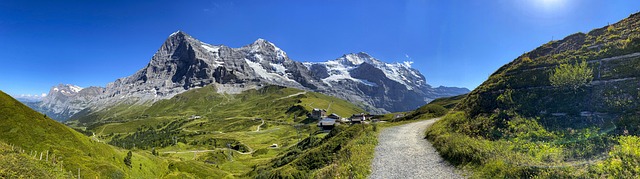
(318,113)
(358,118)
(333,116)
(327,124)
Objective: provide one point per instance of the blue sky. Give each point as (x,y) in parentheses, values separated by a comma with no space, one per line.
(452,42)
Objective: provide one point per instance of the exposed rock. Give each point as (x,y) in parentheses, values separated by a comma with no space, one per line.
(184,63)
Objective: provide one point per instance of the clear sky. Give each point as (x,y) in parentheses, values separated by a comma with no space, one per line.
(452,42)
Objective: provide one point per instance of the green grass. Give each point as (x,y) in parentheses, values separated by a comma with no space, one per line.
(449,102)
(271,103)
(525,149)
(519,123)
(225,118)
(345,151)
(16,164)
(33,132)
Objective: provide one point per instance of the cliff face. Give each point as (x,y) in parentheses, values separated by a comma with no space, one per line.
(183,63)
(65,100)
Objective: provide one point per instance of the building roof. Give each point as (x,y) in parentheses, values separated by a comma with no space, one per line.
(327,122)
(333,116)
(316,109)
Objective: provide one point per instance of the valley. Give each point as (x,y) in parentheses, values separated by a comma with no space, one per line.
(209,111)
(354,89)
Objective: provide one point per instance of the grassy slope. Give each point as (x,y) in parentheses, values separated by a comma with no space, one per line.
(32,131)
(224,116)
(449,102)
(345,151)
(15,164)
(505,128)
(271,103)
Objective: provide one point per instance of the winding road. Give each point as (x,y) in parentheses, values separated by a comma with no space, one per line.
(402,152)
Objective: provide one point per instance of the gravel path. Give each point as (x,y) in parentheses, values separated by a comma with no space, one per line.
(402,152)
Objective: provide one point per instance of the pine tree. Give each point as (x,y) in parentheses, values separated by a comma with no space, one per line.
(127,159)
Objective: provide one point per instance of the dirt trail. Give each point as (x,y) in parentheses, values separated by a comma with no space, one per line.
(402,152)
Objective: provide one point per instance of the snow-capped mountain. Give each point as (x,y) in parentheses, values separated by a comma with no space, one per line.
(65,100)
(184,63)
(386,86)
(339,69)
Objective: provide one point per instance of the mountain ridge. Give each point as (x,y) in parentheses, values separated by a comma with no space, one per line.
(183,63)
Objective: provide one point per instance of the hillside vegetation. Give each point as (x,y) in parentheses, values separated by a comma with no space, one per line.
(270,102)
(232,132)
(346,152)
(566,109)
(35,133)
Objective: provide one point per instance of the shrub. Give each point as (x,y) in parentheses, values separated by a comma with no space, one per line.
(572,76)
(127,159)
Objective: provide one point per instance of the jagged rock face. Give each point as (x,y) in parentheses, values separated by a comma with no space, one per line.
(386,87)
(65,100)
(184,63)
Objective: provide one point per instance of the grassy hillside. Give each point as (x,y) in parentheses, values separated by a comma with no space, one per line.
(449,102)
(243,125)
(33,132)
(346,151)
(566,109)
(270,102)
(30,133)
(16,164)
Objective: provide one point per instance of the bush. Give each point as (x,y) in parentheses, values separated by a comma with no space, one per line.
(571,76)
(127,159)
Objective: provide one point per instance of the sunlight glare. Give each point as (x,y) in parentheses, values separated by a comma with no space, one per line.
(550,5)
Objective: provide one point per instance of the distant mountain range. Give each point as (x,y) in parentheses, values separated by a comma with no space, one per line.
(183,63)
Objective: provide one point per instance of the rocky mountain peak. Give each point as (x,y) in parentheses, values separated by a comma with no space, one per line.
(183,63)
(64,89)
(358,58)
(178,33)
(263,48)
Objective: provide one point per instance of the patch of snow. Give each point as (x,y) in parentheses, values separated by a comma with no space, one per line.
(262,72)
(174,33)
(279,68)
(407,63)
(258,57)
(213,49)
(394,71)
(339,71)
(368,83)
(210,48)
(75,88)
(280,55)
(307,64)
(355,60)
(56,89)
(217,63)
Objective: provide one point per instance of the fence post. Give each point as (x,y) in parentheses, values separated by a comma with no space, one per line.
(47,156)
(40,155)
